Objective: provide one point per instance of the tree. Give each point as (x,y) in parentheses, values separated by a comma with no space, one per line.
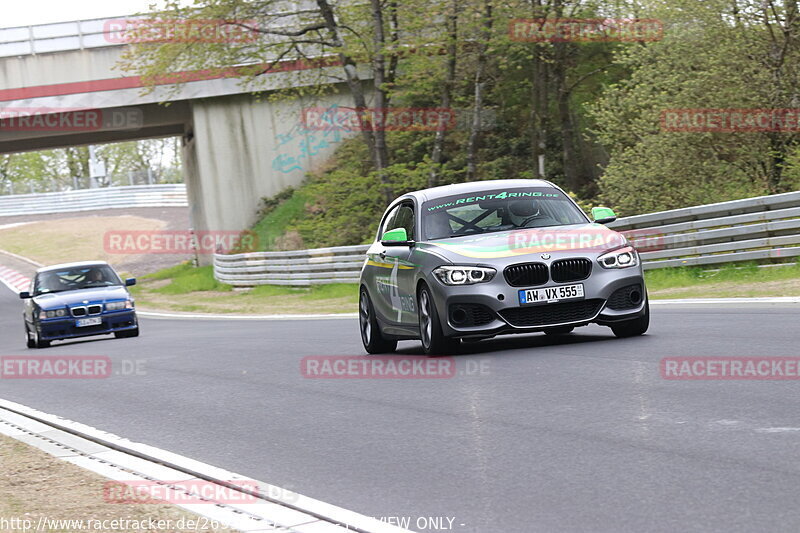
(345,37)
(719,54)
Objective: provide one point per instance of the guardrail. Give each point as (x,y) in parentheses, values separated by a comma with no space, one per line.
(165,195)
(95,33)
(766,227)
(341,264)
(753,229)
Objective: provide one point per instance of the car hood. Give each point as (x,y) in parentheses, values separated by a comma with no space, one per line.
(586,240)
(76,297)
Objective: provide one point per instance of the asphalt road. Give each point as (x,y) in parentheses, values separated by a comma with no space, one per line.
(580,434)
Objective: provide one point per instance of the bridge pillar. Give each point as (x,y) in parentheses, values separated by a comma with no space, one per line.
(240,149)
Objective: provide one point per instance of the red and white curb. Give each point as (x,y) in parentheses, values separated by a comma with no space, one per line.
(14,280)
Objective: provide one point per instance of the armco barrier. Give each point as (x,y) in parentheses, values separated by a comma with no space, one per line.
(742,230)
(765,227)
(166,195)
(301,267)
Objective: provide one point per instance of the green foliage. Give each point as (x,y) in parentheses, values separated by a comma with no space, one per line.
(185,279)
(171,272)
(345,204)
(700,63)
(277,214)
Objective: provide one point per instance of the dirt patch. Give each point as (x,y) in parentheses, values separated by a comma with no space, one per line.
(35,485)
(82,239)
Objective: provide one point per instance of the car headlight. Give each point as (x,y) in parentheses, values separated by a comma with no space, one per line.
(464,275)
(118,306)
(53,313)
(620,258)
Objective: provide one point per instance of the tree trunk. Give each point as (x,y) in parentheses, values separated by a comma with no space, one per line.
(353,80)
(568,151)
(379,79)
(539,98)
(447,91)
(480,86)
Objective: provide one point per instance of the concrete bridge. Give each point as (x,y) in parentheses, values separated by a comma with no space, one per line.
(236,149)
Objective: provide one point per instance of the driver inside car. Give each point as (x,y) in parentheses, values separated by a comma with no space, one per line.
(522,213)
(95,276)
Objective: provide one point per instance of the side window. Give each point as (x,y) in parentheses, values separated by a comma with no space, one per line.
(389,221)
(405,219)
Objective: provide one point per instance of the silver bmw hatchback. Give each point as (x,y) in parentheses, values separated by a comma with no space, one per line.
(475,260)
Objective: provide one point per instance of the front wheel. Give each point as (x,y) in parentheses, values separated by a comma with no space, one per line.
(36,341)
(635,327)
(430,327)
(28,340)
(371,336)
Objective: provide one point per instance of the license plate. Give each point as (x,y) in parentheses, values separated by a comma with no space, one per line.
(93,321)
(550,294)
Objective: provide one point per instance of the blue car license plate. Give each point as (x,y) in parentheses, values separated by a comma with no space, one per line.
(92,321)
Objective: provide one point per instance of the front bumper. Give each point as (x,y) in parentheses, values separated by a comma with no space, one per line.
(51,329)
(500,312)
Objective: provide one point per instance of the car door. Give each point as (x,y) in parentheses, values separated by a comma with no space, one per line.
(403,301)
(393,273)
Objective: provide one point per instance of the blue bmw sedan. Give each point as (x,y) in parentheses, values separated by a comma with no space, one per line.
(78,300)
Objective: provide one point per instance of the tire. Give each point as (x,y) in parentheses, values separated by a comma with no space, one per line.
(560,330)
(430,327)
(127,334)
(28,341)
(37,342)
(371,336)
(635,327)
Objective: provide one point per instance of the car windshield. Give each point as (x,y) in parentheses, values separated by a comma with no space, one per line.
(498,210)
(76,278)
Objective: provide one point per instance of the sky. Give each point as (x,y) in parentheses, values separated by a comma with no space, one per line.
(30,12)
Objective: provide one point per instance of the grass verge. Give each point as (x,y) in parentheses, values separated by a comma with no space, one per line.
(729,281)
(36,486)
(187,289)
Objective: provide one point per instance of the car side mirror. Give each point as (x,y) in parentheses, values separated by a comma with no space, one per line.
(396,237)
(130,281)
(24,295)
(603,215)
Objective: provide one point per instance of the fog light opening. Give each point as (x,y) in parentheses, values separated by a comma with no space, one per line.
(636,297)
(459,316)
